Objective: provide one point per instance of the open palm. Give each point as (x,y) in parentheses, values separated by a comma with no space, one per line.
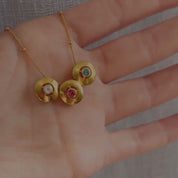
(56,140)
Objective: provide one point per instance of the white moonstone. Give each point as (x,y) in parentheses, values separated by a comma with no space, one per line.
(48,89)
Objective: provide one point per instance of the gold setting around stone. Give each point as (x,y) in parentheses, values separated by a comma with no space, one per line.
(71,92)
(40,93)
(77,73)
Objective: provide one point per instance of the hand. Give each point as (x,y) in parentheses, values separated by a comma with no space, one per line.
(54,140)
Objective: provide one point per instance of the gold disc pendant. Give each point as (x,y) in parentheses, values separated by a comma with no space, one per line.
(46,90)
(84,72)
(71,92)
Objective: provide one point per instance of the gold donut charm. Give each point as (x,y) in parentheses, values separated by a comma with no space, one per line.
(71,92)
(46,90)
(84,72)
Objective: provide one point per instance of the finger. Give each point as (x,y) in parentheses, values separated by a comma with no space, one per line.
(129,54)
(135,141)
(97,18)
(140,94)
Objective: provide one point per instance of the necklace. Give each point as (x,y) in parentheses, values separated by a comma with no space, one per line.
(71,91)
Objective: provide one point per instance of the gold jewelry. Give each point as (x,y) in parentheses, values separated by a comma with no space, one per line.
(46,89)
(71,91)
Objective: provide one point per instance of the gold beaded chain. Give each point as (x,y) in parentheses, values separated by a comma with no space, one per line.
(68,36)
(24,49)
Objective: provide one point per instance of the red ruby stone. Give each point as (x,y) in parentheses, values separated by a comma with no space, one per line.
(71,93)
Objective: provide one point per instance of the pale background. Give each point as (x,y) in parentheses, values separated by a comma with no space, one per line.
(162,163)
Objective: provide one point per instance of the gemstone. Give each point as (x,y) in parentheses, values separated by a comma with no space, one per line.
(86,72)
(71,93)
(48,89)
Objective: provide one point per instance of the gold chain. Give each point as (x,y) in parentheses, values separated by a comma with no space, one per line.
(24,49)
(68,36)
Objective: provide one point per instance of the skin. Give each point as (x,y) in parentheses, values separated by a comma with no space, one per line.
(55,140)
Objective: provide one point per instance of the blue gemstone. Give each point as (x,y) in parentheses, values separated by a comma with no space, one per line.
(86,72)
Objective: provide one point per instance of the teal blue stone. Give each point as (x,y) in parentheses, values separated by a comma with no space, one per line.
(86,72)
